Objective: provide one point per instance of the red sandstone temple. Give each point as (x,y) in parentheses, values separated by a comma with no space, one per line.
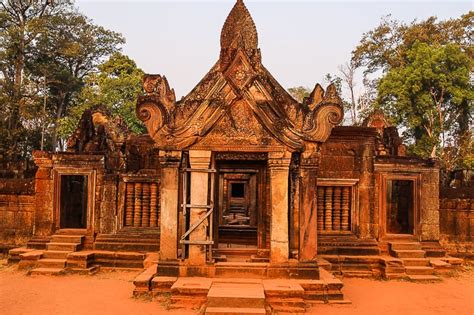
(237,179)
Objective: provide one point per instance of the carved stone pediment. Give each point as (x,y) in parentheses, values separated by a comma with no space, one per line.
(240,73)
(238,102)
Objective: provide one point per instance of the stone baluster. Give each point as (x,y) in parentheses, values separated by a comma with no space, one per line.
(336,220)
(129,197)
(345,208)
(138,205)
(321,208)
(328,209)
(146,205)
(153,205)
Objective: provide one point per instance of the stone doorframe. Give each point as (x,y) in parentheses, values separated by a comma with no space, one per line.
(382,201)
(91,193)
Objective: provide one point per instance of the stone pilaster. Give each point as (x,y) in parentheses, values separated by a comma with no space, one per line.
(44,216)
(199,196)
(169,189)
(308,205)
(278,166)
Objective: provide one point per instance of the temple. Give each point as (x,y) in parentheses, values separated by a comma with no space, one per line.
(238,179)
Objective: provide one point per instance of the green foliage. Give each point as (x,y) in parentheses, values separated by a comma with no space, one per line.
(425,85)
(47,49)
(116,86)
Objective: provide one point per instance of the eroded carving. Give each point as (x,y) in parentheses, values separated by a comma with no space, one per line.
(238,102)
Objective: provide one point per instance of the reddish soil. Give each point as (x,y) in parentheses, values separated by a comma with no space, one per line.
(454,295)
(110,293)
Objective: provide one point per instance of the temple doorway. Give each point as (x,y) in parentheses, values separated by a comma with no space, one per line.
(400,207)
(73,201)
(239,221)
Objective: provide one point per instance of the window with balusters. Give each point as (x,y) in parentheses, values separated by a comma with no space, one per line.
(141,208)
(334,207)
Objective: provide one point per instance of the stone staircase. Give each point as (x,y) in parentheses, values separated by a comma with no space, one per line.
(417,265)
(235,298)
(54,258)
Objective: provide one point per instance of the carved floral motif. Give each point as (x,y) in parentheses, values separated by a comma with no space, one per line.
(211,113)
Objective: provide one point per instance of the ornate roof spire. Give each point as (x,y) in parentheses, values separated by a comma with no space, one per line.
(239,29)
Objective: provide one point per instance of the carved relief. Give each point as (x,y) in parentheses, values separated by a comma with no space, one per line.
(214,114)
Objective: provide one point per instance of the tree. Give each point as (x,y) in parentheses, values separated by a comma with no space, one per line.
(21,22)
(348,79)
(387,45)
(46,50)
(70,49)
(422,75)
(428,94)
(116,86)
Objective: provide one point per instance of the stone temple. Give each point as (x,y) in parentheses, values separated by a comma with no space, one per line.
(237,180)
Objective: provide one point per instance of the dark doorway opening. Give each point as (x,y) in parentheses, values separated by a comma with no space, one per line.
(238,190)
(73,202)
(400,207)
(240,223)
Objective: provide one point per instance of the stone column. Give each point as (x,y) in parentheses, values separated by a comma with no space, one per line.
(44,217)
(278,167)
(308,205)
(199,196)
(169,189)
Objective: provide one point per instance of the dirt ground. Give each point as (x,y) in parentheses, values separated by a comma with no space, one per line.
(110,293)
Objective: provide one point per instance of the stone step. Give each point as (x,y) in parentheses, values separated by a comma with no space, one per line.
(47,271)
(71,232)
(52,263)
(350,250)
(187,301)
(394,275)
(453,260)
(56,254)
(357,273)
(416,262)
(75,239)
(240,295)
(404,246)
(288,310)
(235,311)
(63,246)
(410,254)
(422,278)
(417,270)
(15,253)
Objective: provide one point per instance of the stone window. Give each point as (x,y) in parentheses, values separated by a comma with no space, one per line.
(141,207)
(336,205)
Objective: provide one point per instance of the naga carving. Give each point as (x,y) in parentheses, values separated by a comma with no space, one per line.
(238,79)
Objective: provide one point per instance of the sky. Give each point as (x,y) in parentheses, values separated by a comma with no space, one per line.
(300,41)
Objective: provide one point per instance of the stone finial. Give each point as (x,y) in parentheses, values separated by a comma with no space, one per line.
(239,29)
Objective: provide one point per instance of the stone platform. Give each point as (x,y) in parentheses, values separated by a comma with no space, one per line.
(240,295)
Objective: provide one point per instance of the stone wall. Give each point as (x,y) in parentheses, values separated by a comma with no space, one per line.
(349,154)
(17,206)
(457,220)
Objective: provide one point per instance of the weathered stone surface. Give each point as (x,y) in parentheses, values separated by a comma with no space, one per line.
(199,160)
(279,172)
(169,204)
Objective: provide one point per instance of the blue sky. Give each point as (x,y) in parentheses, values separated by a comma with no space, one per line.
(300,41)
